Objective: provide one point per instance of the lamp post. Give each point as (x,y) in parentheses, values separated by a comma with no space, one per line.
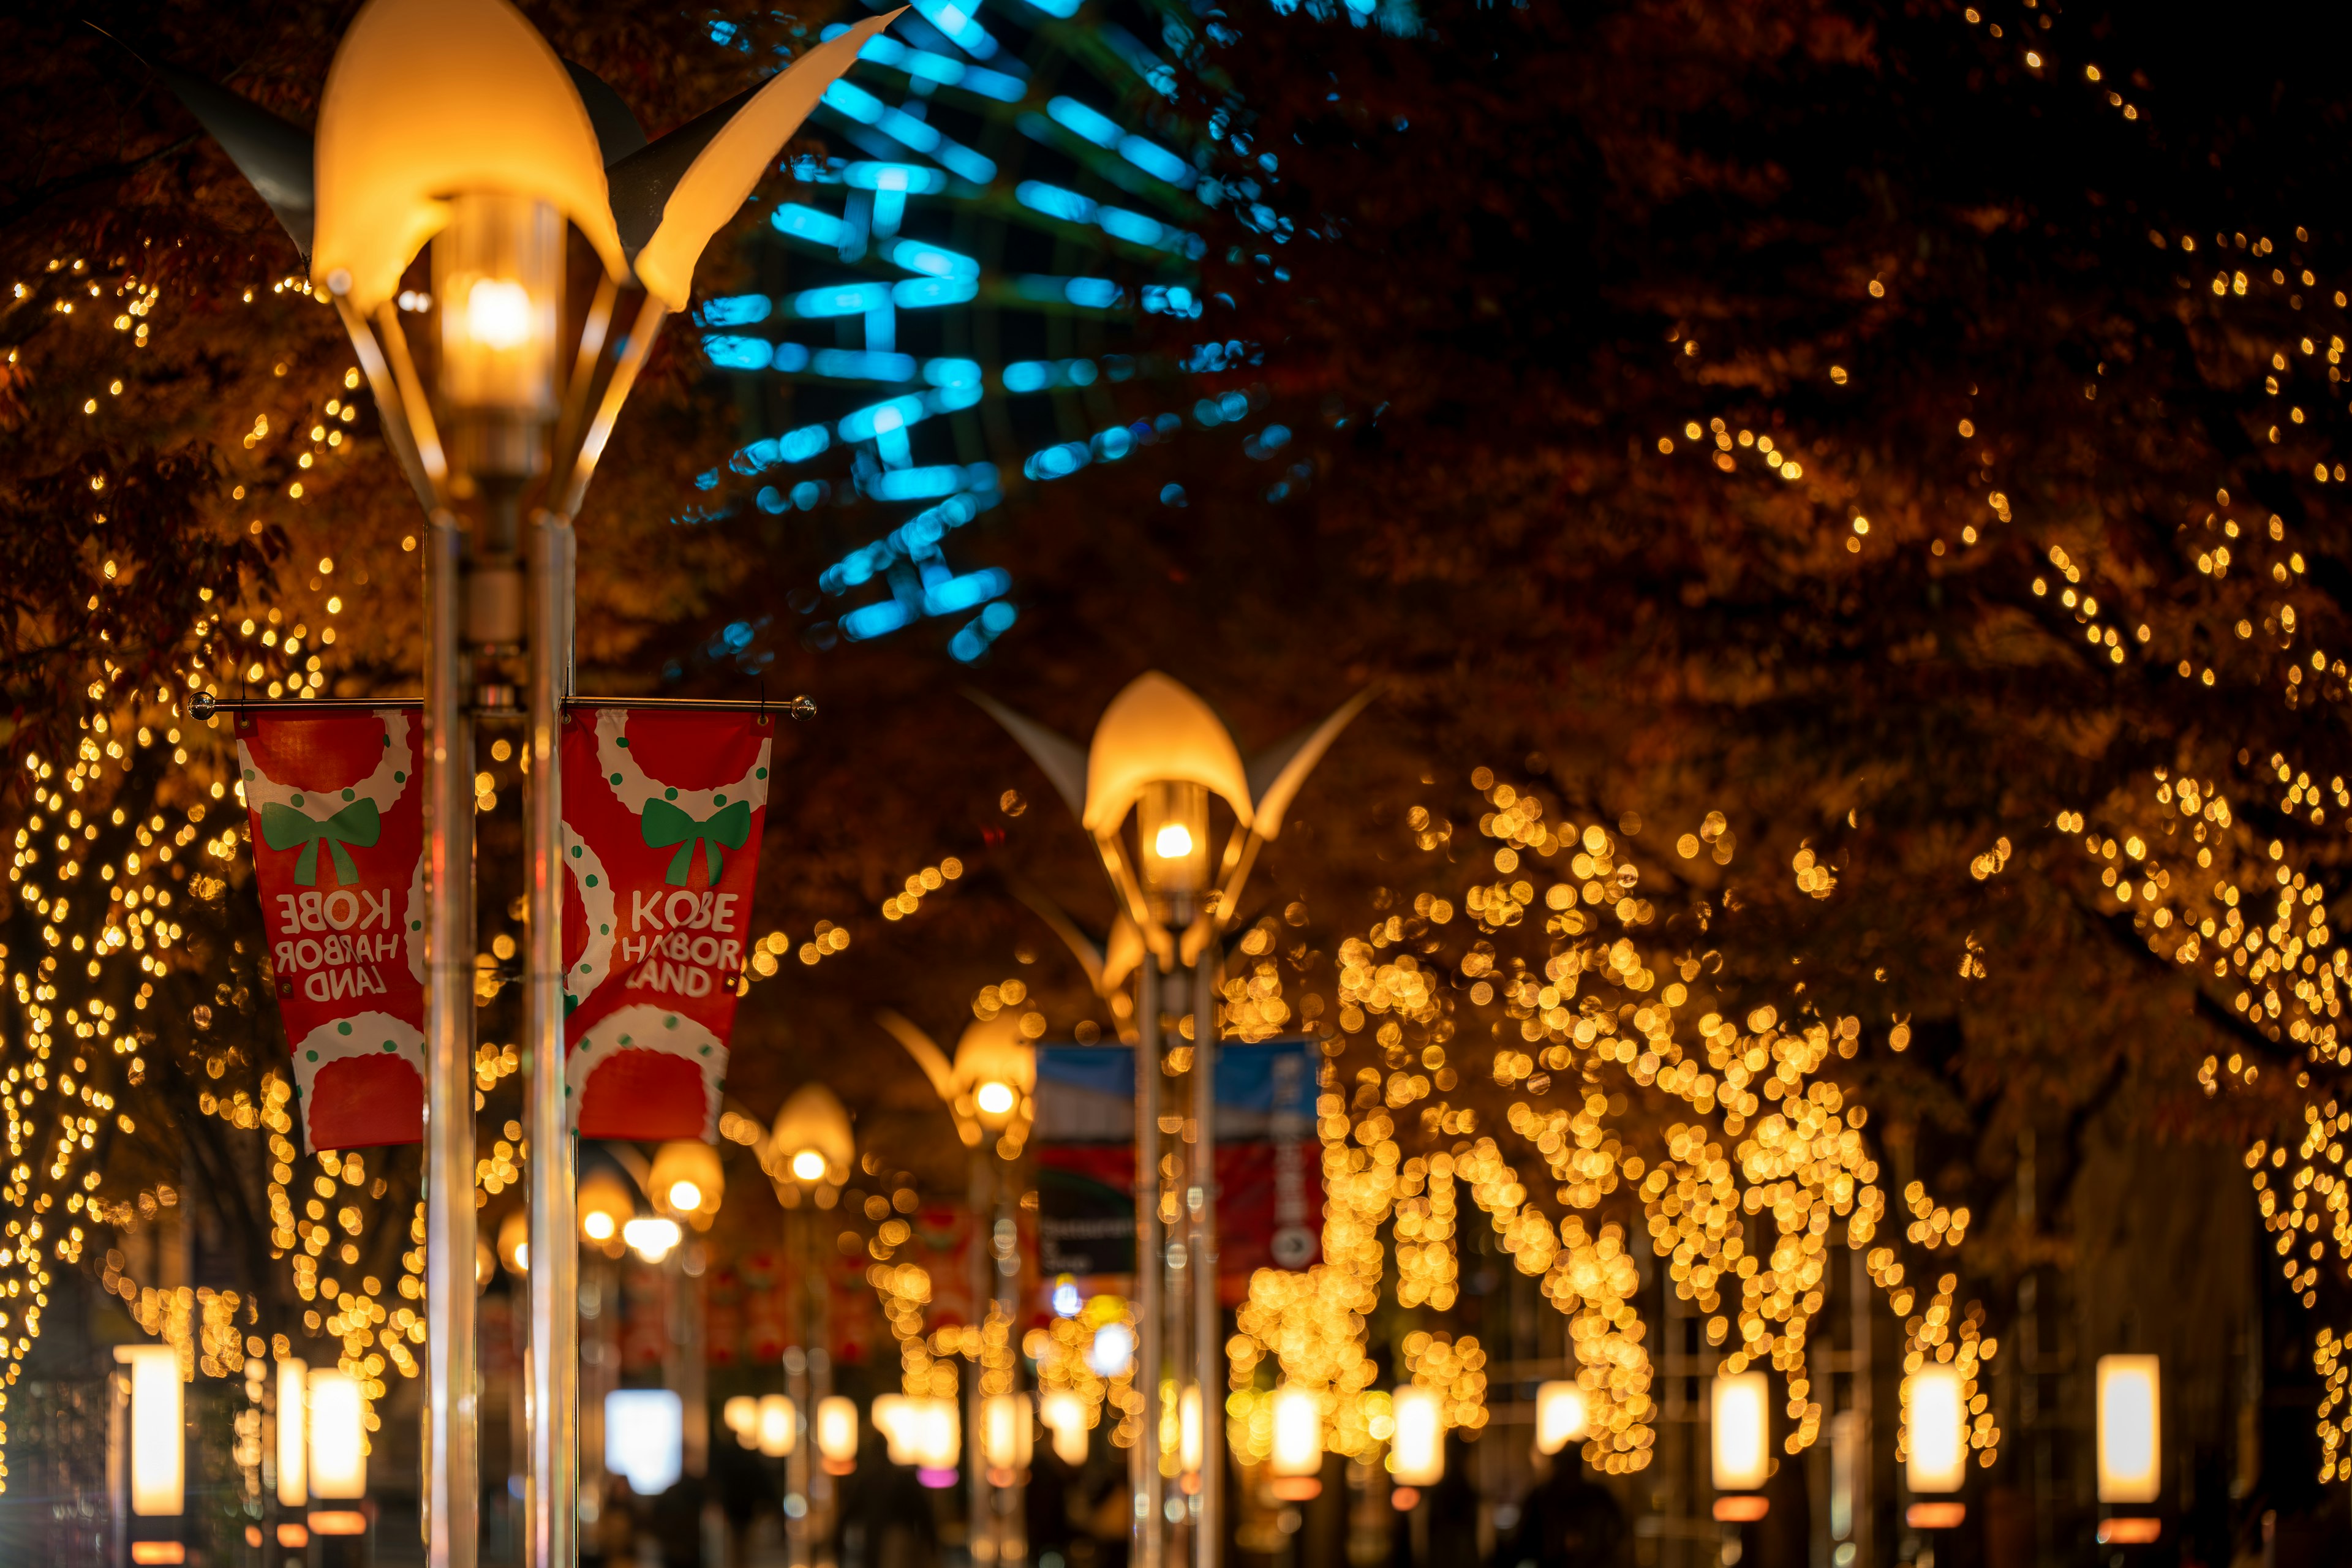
(808,1155)
(1159,752)
(453,123)
(988,1088)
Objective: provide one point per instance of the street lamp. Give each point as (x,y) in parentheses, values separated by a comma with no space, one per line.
(688,1181)
(605,1205)
(1161,753)
(453,123)
(810,1144)
(988,1088)
(807,1156)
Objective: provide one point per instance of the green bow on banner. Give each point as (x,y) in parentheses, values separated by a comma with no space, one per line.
(282,828)
(665,824)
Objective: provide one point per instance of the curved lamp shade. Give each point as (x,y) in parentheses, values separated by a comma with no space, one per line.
(996,1050)
(1157,731)
(814,1118)
(429,98)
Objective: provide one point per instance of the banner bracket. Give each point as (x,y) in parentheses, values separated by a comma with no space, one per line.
(203,705)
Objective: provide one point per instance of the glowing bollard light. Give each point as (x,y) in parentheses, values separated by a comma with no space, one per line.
(1937,1419)
(1063,1413)
(293,1433)
(1297,1458)
(159,1458)
(645,1438)
(836,1434)
(1005,1438)
(778,1427)
(936,1440)
(2131,1431)
(1417,1451)
(338,1437)
(1741,1408)
(338,1421)
(1563,1417)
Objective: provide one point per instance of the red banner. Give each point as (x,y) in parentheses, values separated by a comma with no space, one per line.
(337,810)
(662,812)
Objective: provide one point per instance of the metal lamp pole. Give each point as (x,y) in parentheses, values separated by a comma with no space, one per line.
(553,1391)
(1160,752)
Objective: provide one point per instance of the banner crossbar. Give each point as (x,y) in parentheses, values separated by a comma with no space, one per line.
(203,705)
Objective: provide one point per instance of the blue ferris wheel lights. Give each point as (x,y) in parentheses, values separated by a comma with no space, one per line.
(957,23)
(732,310)
(1170,299)
(850,99)
(971,640)
(927,66)
(807,223)
(921,255)
(792,446)
(891,415)
(930,483)
(957,374)
(1054,202)
(953,595)
(858,365)
(922,293)
(838,299)
(1155,160)
(1136,229)
(1086,293)
(1058,462)
(1266,442)
(1038,374)
(908,179)
(737,353)
(1091,123)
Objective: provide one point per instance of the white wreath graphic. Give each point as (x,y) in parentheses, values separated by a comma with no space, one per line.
(381,788)
(646,1027)
(617,765)
(341,1039)
(594,886)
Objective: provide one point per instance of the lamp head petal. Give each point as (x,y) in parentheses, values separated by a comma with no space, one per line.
(1275,776)
(430,98)
(727,160)
(1159,730)
(273,155)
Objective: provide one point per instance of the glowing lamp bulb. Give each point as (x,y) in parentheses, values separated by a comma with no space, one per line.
(684,1196)
(808,1165)
(596,1227)
(522,1256)
(651,1239)
(994,1100)
(1173,842)
(1113,1350)
(497,314)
